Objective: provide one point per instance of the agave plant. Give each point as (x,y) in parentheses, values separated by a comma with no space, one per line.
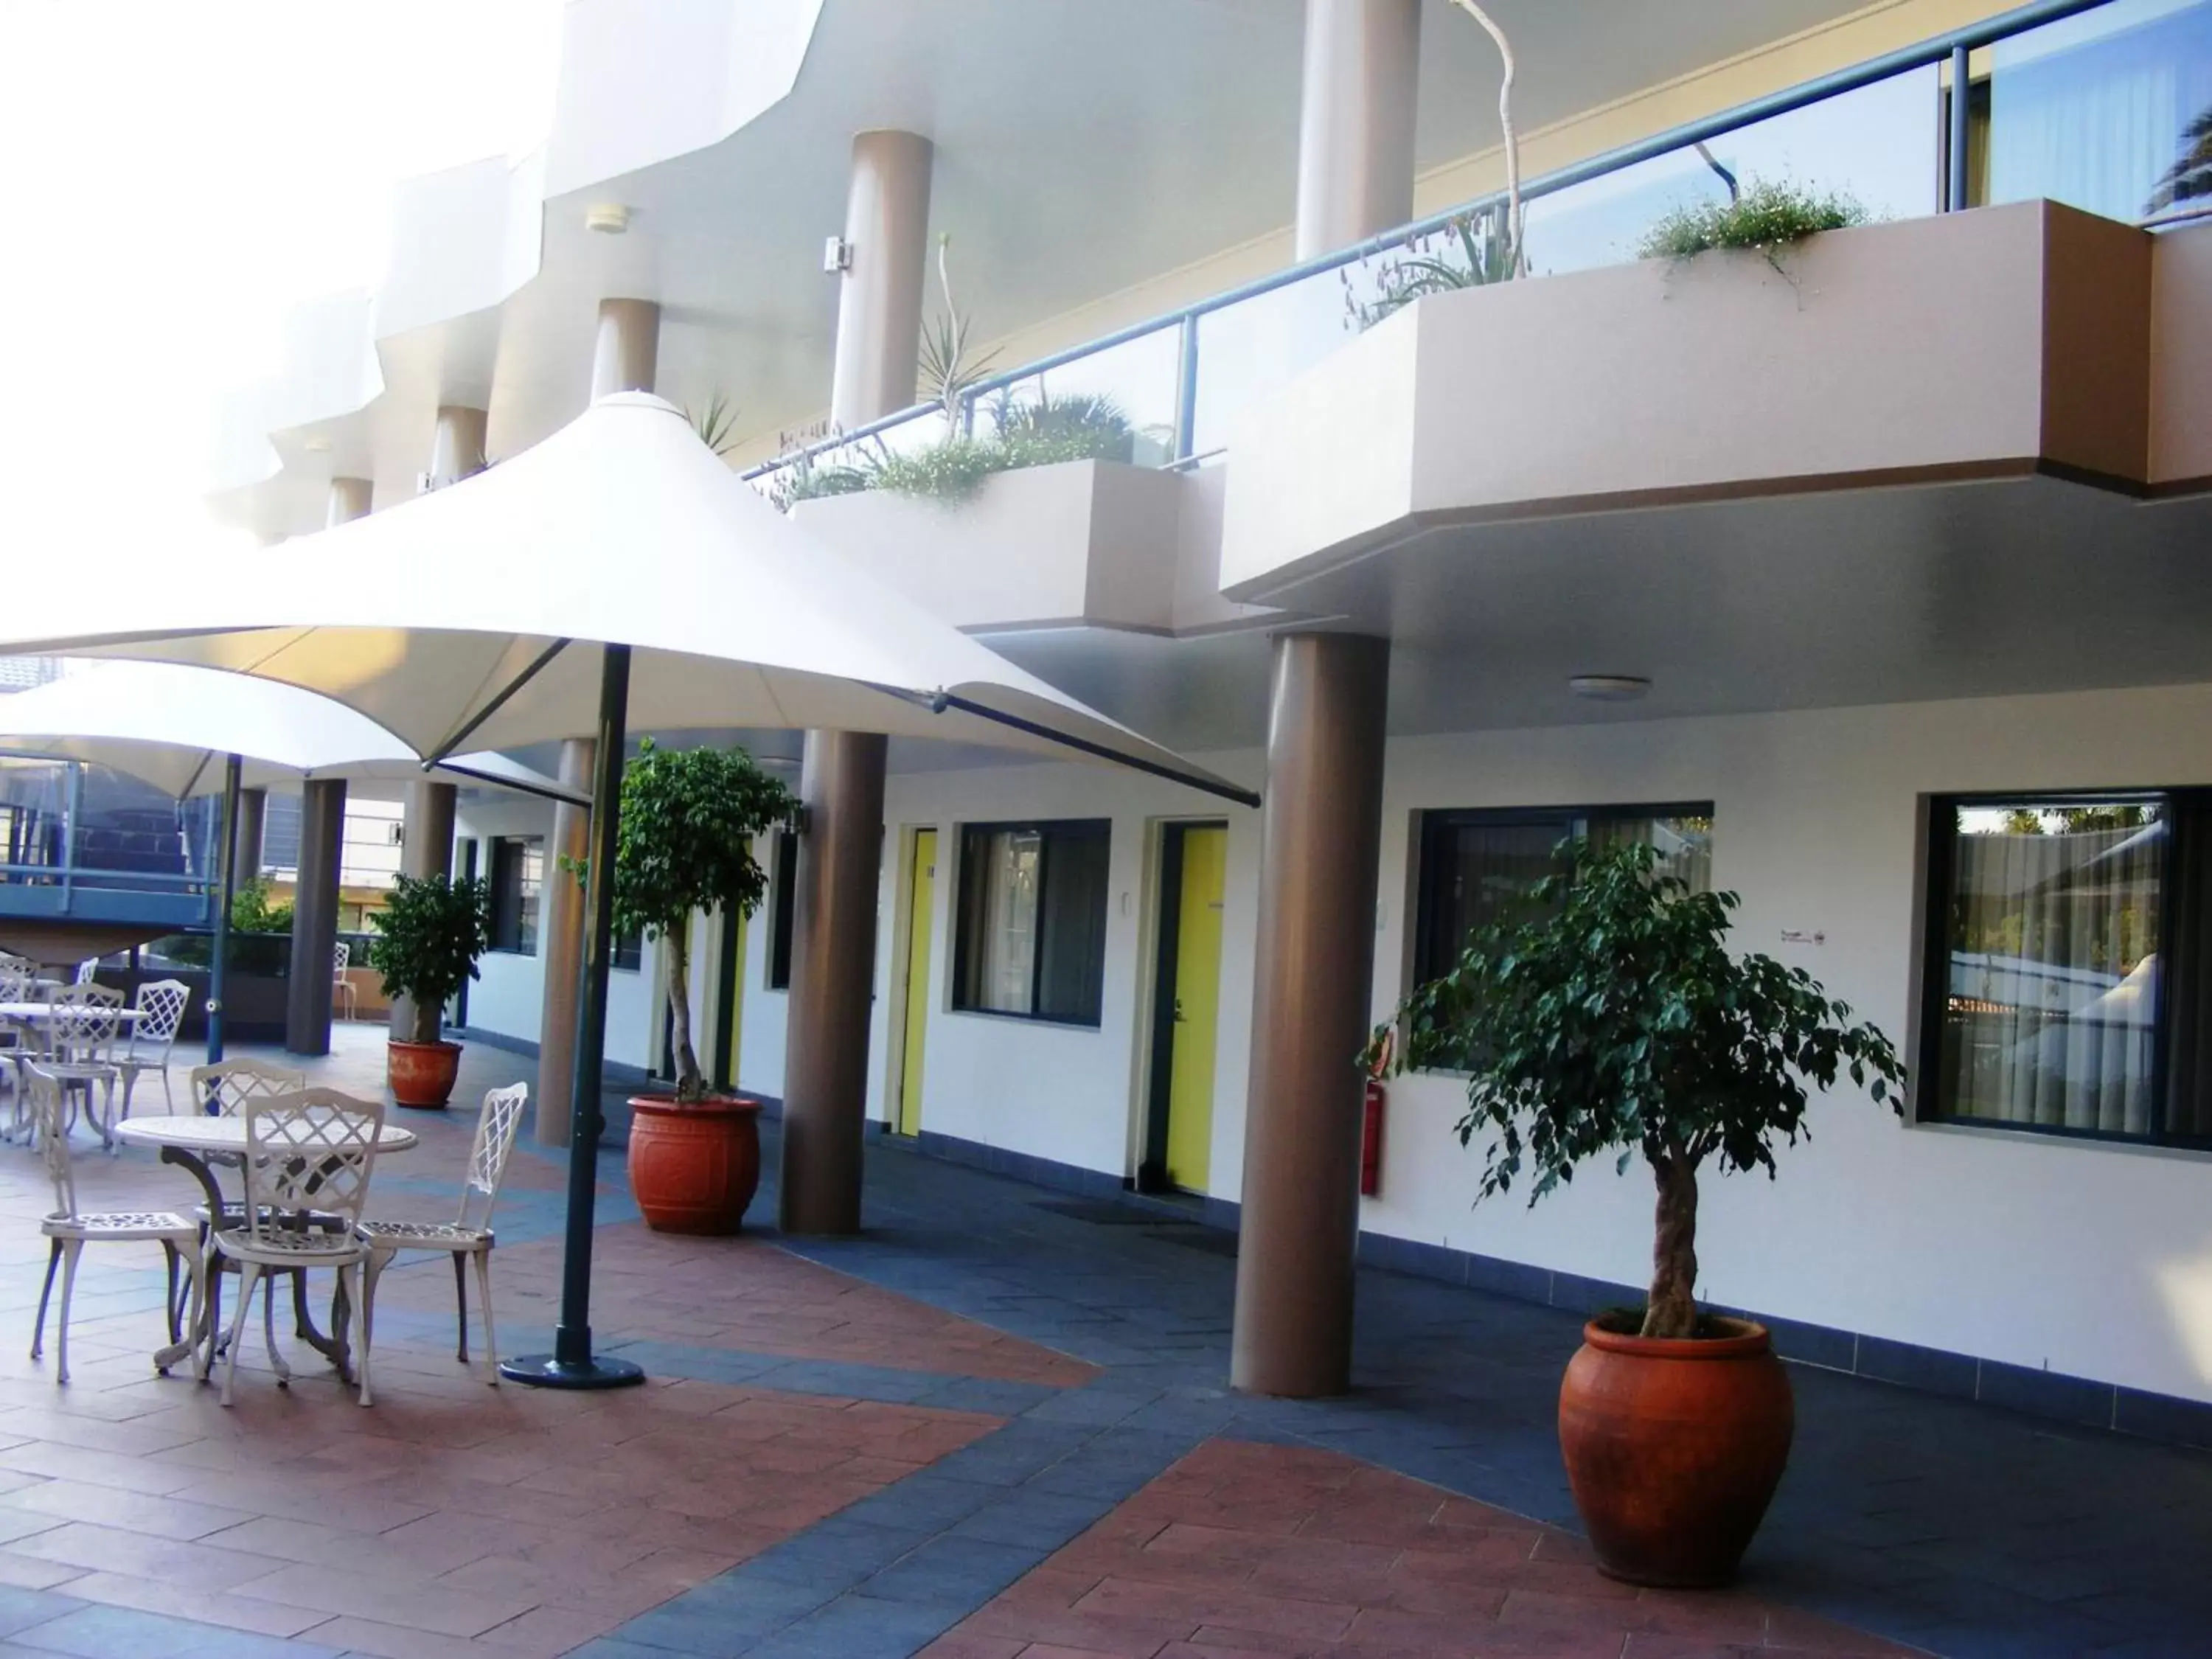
(1477,256)
(716,423)
(948,373)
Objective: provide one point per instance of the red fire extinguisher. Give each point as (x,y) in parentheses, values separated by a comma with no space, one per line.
(1370,1127)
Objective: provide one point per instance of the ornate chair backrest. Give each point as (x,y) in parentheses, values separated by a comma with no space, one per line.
(341,958)
(86,970)
(81,1026)
(488,1154)
(17,979)
(223,1089)
(313,1149)
(49,1124)
(161,1004)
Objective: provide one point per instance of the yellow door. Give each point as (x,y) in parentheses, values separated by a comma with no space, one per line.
(1197,1006)
(922,890)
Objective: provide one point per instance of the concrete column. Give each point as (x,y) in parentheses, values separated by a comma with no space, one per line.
(561,949)
(315,917)
(879,299)
(350,498)
(1356,120)
(626,353)
(252,814)
(426,850)
(1313,965)
(457,451)
(833,943)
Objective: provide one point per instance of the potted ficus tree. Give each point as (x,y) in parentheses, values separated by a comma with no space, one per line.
(1616,1021)
(689,818)
(429,934)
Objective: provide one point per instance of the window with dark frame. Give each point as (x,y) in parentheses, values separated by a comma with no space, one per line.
(783,883)
(1479,869)
(629,954)
(1031,941)
(518,877)
(2067,974)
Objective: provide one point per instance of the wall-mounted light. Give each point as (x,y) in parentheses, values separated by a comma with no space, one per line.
(608,218)
(836,255)
(1609,688)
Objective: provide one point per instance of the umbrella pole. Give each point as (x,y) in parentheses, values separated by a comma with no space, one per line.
(221,960)
(572,1363)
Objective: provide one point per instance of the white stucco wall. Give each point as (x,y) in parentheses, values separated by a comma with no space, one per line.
(2090,1259)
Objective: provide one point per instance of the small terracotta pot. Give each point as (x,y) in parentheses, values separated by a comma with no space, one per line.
(1674,1448)
(421,1073)
(694,1169)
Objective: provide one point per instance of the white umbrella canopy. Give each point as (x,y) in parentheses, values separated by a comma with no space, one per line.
(466,616)
(172,725)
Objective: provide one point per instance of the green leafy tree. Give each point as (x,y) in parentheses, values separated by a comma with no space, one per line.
(689,818)
(429,934)
(251,911)
(1616,1020)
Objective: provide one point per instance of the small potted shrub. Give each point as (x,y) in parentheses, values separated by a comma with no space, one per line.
(685,845)
(1617,1022)
(429,934)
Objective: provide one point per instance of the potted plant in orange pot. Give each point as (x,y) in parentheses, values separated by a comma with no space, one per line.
(1617,1021)
(689,818)
(429,934)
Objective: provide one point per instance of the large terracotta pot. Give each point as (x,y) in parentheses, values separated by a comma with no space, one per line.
(1674,1448)
(694,1169)
(421,1073)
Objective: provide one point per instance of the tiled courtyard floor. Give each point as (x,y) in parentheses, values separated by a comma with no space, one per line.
(994,1426)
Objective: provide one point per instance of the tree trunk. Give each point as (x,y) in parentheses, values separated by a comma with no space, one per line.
(689,1083)
(428,1017)
(1674,1308)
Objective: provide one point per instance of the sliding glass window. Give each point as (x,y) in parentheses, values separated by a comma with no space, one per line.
(1032,920)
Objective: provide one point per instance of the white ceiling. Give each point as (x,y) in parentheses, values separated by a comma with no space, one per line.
(1081,148)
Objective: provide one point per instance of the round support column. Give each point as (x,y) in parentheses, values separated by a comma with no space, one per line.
(426,849)
(626,352)
(879,295)
(457,451)
(247,833)
(561,939)
(1313,968)
(315,917)
(1356,120)
(833,943)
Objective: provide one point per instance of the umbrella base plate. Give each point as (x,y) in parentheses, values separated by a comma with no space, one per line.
(542,1370)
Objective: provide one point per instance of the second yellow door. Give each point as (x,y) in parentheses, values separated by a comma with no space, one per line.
(920,895)
(1197,1006)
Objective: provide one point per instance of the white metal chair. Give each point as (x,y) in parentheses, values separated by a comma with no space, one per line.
(80,1033)
(18,979)
(342,988)
(88,970)
(469,1234)
(222,1091)
(161,1004)
(309,1156)
(70,1230)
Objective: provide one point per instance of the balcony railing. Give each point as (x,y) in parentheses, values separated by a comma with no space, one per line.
(2105,105)
(78,840)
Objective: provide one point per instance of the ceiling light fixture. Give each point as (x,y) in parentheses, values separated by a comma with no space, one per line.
(608,218)
(318,445)
(1609,688)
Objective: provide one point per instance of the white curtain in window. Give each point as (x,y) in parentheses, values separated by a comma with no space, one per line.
(1009,930)
(2054,967)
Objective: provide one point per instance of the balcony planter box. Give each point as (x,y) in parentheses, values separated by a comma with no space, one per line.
(694,1169)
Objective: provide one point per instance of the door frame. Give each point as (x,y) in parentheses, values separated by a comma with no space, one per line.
(1160,1068)
(909,840)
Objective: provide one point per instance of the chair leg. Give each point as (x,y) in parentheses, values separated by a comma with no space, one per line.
(211,1272)
(484,1296)
(268,1330)
(71,1248)
(169,1302)
(168,1100)
(38,1330)
(247,1272)
(360,1326)
(461,1305)
(371,1274)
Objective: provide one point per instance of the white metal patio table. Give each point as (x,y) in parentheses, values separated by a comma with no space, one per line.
(191,1141)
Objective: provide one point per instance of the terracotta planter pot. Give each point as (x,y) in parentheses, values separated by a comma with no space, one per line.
(694,1169)
(1674,1447)
(421,1073)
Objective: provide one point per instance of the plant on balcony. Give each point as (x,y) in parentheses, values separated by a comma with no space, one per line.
(1766,217)
(716,423)
(1075,426)
(429,934)
(808,481)
(1476,256)
(251,912)
(949,373)
(1617,1023)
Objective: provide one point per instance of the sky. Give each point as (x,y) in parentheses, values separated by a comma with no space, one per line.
(179,172)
